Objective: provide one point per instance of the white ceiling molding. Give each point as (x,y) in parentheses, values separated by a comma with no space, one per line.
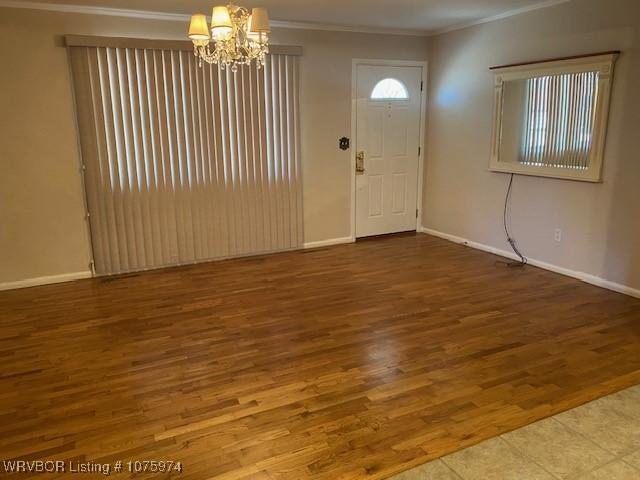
(90,10)
(347,28)
(510,13)
(178,17)
(151,15)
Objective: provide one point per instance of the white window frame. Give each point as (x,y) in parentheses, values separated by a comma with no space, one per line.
(604,65)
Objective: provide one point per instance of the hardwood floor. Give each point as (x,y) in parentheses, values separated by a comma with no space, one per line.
(356,361)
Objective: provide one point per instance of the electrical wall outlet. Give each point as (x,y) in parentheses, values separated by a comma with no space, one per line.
(557,236)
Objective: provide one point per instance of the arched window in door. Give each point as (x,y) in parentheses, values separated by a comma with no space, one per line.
(389,89)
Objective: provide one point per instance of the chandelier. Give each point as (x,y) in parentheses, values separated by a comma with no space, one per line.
(239,37)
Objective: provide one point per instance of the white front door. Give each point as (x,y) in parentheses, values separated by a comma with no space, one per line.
(388,142)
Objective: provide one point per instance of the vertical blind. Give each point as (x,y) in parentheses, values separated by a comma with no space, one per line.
(559,120)
(186,163)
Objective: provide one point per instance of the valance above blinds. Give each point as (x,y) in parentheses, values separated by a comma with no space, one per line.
(186,163)
(156,44)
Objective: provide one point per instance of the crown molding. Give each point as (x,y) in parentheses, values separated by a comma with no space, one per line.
(501,16)
(179,17)
(91,10)
(330,27)
(151,15)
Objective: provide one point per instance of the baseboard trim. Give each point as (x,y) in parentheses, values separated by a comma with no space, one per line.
(69,277)
(328,243)
(585,277)
(34,282)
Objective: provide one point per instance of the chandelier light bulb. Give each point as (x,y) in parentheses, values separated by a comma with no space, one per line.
(221,33)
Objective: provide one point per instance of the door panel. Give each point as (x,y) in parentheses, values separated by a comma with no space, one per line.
(399,189)
(375,130)
(398,132)
(388,132)
(376,195)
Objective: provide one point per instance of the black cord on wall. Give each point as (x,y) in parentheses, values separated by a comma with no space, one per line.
(510,239)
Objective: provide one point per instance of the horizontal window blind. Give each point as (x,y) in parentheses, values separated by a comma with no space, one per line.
(559,120)
(186,163)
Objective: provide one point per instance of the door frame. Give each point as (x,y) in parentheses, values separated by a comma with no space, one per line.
(355,63)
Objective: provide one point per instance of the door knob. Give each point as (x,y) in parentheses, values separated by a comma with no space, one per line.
(360,162)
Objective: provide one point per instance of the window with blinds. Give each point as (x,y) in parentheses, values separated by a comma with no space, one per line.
(185,163)
(558,124)
(550,117)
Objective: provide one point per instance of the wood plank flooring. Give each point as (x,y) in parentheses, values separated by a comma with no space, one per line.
(349,362)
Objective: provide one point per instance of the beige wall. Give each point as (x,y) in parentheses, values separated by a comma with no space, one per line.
(600,222)
(42,226)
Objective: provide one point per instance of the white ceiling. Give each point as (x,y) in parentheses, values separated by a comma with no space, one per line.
(418,15)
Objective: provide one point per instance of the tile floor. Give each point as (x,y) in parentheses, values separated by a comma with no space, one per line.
(597,441)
